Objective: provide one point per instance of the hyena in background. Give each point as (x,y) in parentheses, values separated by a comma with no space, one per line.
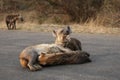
(63,38)
(11,21)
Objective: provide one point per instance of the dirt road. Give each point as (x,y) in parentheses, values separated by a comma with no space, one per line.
(104,50)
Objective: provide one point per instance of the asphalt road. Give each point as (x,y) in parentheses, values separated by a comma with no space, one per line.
(104,50)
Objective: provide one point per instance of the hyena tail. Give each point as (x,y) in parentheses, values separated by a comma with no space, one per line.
(24,62)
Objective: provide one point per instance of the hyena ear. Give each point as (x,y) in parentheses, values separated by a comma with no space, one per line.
(68,30)
(54,33)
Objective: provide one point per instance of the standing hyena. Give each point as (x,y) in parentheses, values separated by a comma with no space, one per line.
(11,21)
(63,38)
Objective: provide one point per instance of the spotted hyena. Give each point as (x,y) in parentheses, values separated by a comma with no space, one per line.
(28,57)
(71,57)
(63,38)
(50,54)
(11,21)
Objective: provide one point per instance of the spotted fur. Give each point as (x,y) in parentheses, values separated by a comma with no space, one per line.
(72,57)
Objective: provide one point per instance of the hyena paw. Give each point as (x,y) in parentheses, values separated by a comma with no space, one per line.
(37,66)
(32,67)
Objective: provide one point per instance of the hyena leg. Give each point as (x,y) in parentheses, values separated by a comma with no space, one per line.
(14,25)
(32,64)
(8,25)
(64,49)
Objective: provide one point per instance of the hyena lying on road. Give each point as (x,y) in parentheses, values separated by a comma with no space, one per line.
(53,54)
(11,21)
(29,56)
(71,57)
(63,38)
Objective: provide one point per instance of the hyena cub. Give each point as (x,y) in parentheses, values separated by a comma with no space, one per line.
(72,57)
(63,38)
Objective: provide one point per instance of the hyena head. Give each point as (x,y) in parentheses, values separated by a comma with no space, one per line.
(62,35)
(19,16)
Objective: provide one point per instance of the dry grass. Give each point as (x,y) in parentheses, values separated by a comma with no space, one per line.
(90,16)
(45,15)
(77,28)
